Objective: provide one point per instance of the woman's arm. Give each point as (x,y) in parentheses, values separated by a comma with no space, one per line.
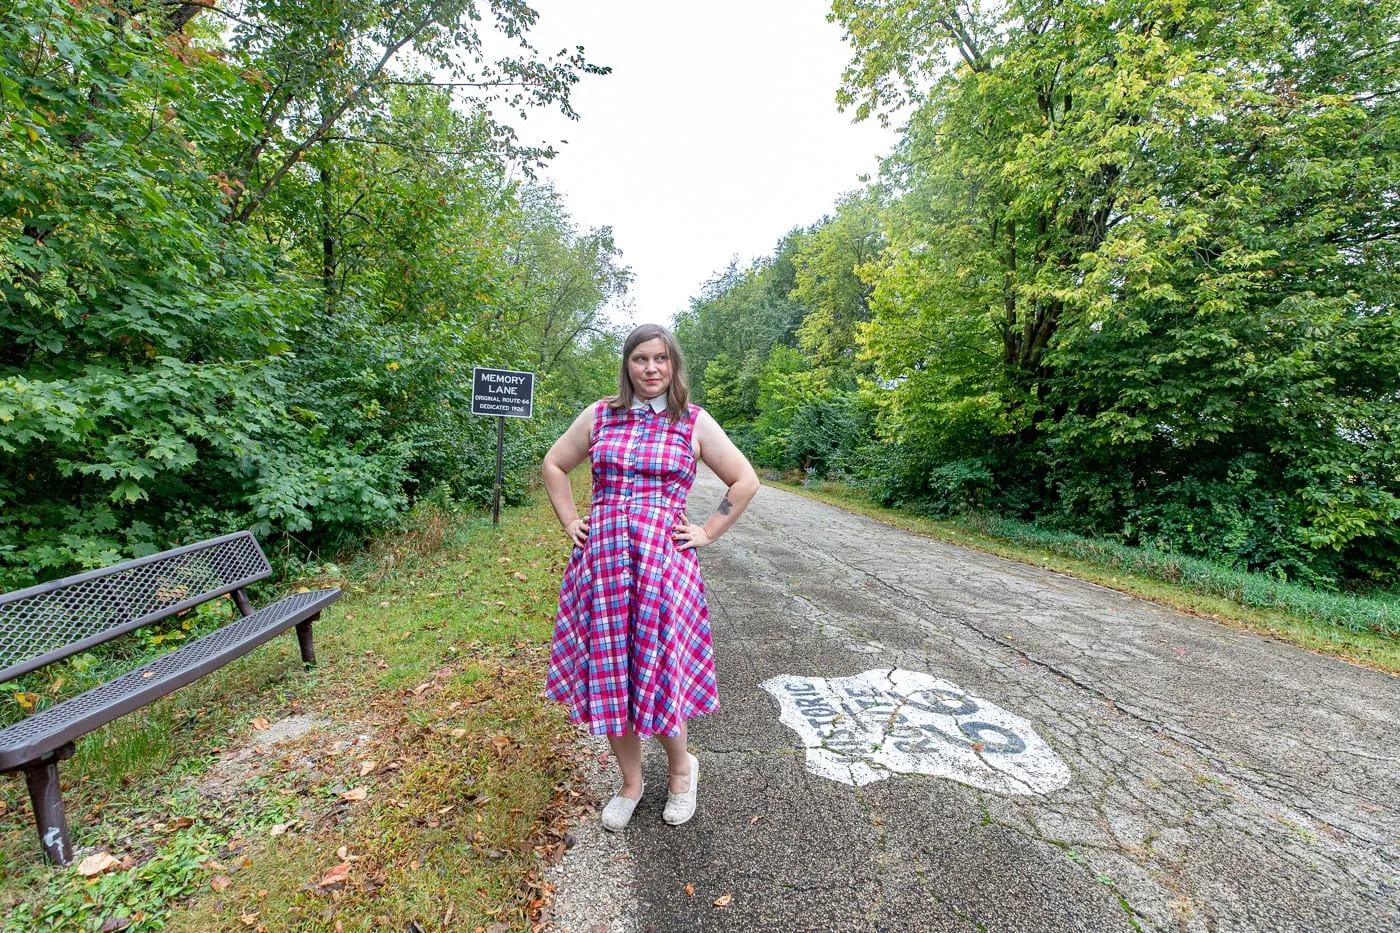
(568,452)
(729,463)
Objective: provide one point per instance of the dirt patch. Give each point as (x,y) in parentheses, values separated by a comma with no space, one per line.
(237,766)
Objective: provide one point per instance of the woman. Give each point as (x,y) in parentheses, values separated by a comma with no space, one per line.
(631,652)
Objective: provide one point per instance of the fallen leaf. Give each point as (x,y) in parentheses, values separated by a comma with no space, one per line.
(113,924)
(249,919)
(724,901)
(689,889)
(421,687)
(457,733)
(756,817)
(367,766)
(519,576)
(358,793)
(219,883)
(259,723)
(501,741)
(96,864)
(337,875)
(182,822)
(279,828)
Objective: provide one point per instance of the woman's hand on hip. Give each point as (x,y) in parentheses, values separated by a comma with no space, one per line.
(687,535)
(577,530)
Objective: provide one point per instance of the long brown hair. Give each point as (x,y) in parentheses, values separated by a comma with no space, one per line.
(678,395)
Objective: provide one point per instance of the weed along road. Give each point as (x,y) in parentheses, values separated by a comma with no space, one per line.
(916,736)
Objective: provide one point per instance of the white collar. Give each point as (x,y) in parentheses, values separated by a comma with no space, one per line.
(657,403)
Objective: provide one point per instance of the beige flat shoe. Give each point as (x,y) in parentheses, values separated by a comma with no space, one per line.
(618,813)
(681,807)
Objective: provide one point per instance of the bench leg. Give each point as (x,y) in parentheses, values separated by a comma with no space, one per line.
(47,800)
(308,650)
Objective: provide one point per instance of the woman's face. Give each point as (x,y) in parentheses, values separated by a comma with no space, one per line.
(649,367)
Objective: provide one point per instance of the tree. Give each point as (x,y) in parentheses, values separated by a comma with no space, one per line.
(828,283)
(1141,259)
(243,266)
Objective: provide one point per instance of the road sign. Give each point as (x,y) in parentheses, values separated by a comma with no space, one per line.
(502,392)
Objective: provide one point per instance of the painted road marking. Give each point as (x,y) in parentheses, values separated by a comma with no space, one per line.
(868,726)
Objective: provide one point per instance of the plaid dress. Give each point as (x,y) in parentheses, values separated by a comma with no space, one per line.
(632,636)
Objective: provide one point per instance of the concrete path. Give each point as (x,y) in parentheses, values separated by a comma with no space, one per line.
(1090,761)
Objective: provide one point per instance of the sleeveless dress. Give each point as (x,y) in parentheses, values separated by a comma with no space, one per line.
(632,636)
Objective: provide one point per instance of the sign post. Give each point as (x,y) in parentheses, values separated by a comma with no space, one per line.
(502,393)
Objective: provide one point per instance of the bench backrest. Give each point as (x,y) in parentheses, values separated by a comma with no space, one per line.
(51,621)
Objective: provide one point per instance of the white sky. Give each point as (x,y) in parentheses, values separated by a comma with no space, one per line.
(716,133)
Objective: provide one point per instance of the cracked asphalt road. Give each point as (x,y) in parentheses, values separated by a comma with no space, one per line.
(1220,781)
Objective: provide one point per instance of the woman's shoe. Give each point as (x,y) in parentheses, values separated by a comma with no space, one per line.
(681,807)
(618,813)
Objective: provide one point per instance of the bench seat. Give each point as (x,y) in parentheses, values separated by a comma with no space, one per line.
(44,732)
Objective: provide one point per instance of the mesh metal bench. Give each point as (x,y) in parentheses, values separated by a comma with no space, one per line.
(56,620)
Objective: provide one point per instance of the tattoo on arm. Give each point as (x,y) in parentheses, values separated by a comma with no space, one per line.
(725,506)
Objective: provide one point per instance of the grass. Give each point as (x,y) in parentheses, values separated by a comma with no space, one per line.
(435,786)
(1361,630)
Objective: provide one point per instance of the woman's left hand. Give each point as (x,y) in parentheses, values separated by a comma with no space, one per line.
(687,535)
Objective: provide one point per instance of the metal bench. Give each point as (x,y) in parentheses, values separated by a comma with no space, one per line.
(56,620)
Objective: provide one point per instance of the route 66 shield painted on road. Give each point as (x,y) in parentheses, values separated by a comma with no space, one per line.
(868,726)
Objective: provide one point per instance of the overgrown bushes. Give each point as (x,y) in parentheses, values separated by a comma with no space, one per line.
(246,271)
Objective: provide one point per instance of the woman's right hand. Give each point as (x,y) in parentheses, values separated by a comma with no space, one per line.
(577,530)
